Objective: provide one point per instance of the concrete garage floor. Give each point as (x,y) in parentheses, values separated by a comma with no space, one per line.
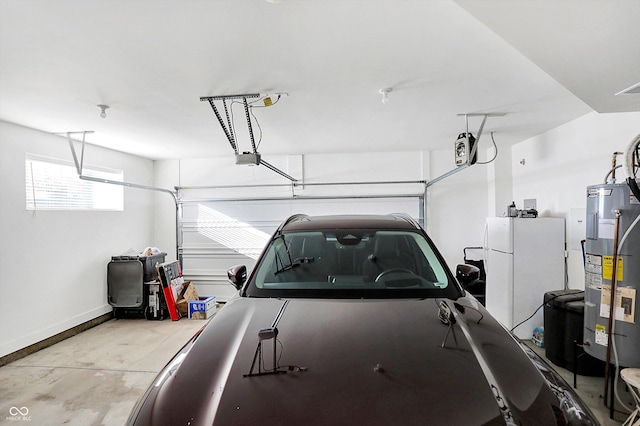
(95,377)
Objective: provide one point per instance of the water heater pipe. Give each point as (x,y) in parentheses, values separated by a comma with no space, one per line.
(613,346)
(614,166)
(612,298)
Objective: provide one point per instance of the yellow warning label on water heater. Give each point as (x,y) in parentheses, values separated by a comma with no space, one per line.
(607,268)
(601,335)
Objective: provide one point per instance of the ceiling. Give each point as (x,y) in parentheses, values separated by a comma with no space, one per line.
(542,63)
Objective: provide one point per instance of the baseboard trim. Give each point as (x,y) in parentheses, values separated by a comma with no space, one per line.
(14,356)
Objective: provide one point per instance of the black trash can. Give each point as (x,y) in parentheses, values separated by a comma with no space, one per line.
(563,327)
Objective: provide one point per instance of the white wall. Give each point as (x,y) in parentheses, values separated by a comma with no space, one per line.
(560,164)
(457,207)
(53,264)
(167,176)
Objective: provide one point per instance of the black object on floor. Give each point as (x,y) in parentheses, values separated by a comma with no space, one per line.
(563,333)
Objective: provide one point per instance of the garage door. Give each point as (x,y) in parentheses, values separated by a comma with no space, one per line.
(218,234)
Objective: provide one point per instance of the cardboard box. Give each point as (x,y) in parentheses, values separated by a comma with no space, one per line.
(203,308)
(187,293)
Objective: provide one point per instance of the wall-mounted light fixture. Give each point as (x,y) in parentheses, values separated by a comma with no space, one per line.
(103,110)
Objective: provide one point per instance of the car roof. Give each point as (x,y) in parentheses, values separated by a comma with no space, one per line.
(301,222)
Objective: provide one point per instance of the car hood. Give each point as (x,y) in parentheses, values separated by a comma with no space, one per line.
(351,361)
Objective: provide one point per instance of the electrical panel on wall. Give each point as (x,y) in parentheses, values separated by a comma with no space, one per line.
(464,149)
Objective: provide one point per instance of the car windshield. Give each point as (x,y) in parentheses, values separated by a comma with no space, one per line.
(351,263)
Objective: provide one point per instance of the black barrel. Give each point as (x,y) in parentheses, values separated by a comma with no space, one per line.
(563,328)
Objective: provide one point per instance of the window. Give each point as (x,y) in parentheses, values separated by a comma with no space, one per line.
(53,184)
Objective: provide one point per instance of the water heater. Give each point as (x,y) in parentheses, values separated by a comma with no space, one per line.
(612,210)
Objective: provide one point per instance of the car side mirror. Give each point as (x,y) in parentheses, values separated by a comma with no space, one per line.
(237,275)
(467,274)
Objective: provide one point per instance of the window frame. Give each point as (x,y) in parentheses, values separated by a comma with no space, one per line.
(64,190)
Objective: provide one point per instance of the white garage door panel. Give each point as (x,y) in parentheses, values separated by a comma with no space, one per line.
(219,234)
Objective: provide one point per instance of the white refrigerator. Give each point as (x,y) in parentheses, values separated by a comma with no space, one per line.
(524,259)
